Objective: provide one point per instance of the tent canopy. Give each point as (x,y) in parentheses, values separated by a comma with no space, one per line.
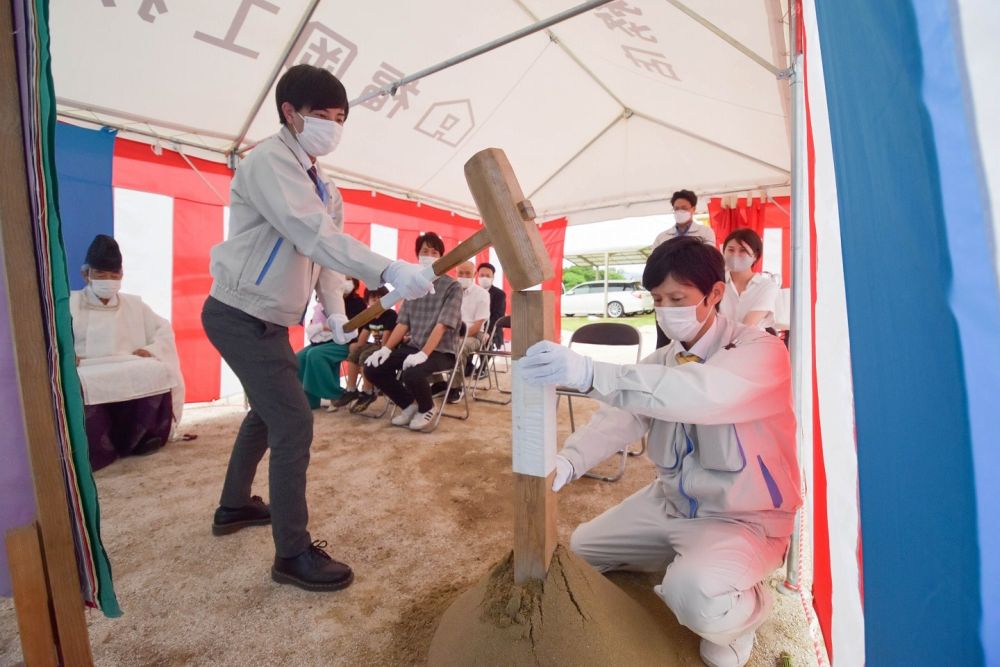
(602,115)
(598,259)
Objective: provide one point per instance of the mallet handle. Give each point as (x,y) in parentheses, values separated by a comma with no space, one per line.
(464,251)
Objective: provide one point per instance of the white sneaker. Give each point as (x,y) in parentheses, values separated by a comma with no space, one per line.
(736,654)
(421,419)
(404,417)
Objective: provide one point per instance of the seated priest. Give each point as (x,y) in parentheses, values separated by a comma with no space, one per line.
(133,390)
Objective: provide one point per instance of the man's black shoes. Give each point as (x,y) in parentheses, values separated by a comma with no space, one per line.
(229,520)
(313,570)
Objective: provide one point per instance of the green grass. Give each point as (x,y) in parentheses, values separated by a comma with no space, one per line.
(638,321)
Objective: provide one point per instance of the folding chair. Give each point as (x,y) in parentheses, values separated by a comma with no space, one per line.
(489,357)
(610,334)
(448,375)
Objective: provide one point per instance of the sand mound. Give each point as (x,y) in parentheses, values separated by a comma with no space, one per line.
(577,617)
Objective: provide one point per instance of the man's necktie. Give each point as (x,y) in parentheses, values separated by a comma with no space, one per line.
(320,187)
(687,357)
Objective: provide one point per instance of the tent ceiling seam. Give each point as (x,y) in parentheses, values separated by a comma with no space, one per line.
(390,89)
(712,142)
(577,154)
(572,56)
(726,37)
(259,102)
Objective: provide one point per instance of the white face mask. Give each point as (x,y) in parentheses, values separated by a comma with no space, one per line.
(682,217)
(485,282)
(105,289)
(680,322)
(347,287)
(466,283)
(427,260)
(739,263)
(319,136)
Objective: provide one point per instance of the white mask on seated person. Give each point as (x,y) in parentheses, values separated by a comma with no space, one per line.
(485,282)
(466,283)
(682,217)
(105,289)
(739,263)
(427,260)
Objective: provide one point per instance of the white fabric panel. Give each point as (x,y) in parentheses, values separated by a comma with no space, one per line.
(773,251)
(144,229)
(833,364)
(385,241)
(980,20)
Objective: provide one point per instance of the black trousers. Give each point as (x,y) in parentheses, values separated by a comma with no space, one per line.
(279,418)
(413,383)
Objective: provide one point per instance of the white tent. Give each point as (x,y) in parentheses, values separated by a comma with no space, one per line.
(602,115)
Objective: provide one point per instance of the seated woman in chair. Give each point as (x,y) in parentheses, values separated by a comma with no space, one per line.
(433,323)
(749,297)
(319,363)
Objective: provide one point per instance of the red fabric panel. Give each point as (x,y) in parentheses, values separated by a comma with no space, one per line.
(197,227)
(822,573)
(758,216)
(136,167)
(553,237)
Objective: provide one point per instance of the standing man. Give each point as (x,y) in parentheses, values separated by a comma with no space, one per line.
(286,223)
(716,407)
(684,203)
(486,273)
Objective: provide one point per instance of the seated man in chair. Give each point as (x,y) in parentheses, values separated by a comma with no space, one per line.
(433,323)
(716,407)
(133,391)
(475,313)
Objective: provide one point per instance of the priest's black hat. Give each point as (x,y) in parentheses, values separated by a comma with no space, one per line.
(103,254)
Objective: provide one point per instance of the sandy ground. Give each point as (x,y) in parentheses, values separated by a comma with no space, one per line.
(420,518)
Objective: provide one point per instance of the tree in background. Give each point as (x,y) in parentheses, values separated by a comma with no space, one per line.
(575,275)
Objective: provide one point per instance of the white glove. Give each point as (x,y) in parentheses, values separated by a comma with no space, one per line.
(376,358)
(414,359)
(546,362)
(410,281)
(336,323)
(564,473)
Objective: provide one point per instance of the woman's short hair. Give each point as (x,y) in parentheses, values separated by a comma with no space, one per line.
(747,236)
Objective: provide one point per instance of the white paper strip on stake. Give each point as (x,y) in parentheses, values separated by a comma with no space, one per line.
(534,432)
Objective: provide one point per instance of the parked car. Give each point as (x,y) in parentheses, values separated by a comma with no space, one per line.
(625,297)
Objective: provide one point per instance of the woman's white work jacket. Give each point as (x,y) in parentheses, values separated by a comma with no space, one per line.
(721,432)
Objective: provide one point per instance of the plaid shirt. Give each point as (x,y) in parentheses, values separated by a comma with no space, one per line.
(442,307)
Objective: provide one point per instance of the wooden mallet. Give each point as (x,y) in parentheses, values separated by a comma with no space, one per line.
(508,224)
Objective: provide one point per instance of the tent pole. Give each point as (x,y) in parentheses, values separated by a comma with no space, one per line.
(801,322)
(607,259)
(485,48)
(303,22)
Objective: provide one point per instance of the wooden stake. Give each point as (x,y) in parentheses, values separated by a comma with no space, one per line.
(534,429)
(29,349)
(31,596)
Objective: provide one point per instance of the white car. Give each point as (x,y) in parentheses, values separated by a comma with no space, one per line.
(625,297)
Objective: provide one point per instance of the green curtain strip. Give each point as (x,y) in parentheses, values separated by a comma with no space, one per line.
(72,393)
